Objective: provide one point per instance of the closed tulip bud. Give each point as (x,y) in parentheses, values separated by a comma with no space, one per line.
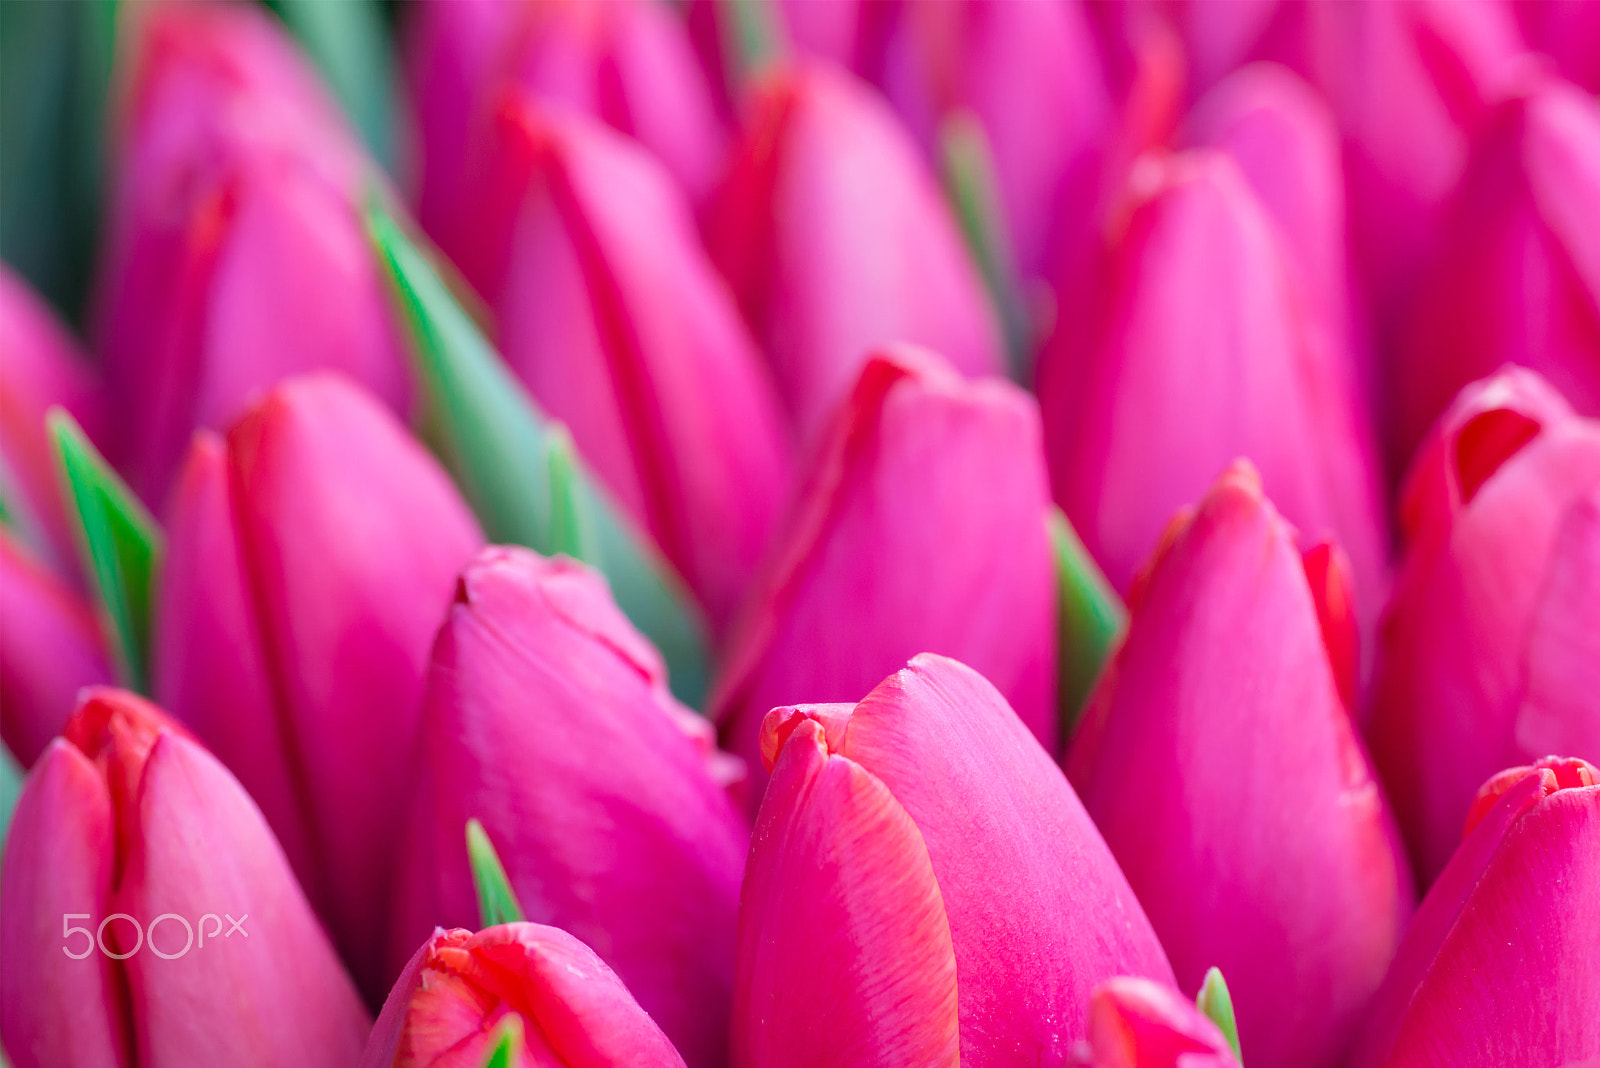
(1224,691)
(1138,1023)
(129,826)
(40,367)
(311,556)
(1517,279)
(52,648)
(235,253)
(1489,655)
(837,240)
(620,327)
(1205,346)
(1499,965)
(462,992)
(924,888)
(885,555)
(547,718)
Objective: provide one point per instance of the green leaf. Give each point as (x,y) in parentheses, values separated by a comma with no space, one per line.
(973,191)
(1216,1004)
(1090,618)
(349,42)
(753,37)
(119,543)
(497,902)
(516,467)
(11,776)
(508,1039)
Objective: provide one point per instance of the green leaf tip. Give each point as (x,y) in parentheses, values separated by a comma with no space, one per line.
(1216,1004)
(497,902)
(119,543)
(1090,619)
(517,467)
(507,1041)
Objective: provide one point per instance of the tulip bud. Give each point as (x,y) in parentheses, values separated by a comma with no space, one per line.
(235,254)
(1517,278)
(563,1006)
(919,869)
(1138,1023)
(547,718)
(1205,346)
(1499,965)
(312,555)
(129,826)
(1490,652)
(836,240)
(1222,693)
(886,556)
(610,313)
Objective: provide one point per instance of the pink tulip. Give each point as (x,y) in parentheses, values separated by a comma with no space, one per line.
(1204,344)
(1490,652)
(886,554)
(1518,274)
(129,845)
(547,718)
(311,556)
(924,888)
(1137,1023)
(52,647)
(236,254)
(1499,965)
(40,367)
(460,990)
(1226,690)
(611,314)
(837,240)
(626,62)
(1569,32)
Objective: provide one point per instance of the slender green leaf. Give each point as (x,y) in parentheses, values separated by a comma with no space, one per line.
(349,42)
(11,775)
(1217,1005)
(508,1039)
(516,467)
(119,543)
(753,37)
(1090,618)
(497,902)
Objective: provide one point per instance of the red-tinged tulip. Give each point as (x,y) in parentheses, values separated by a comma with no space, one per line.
(461,990)
(311,556)
(52,648)
(885,554)
(924,888)
(1499,966)
(148,918)
(236,254)
(837,240)
(620,327)
(1204,345)
(1569,32)
(1517,279)
(1031,75)
(1137,1023)
(1489,655)
(547,718)
(1226,691)
(626,62)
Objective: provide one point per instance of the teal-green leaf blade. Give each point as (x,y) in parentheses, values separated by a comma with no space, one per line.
(349,42)
(1216,1004)
(497,902)
(1090,618)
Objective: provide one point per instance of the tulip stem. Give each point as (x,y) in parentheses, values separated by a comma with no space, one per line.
(497,902)
(1216,1004)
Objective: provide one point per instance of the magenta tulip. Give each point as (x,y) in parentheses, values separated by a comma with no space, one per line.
(1137,1023)
(52,648)
(311,556)
(1225,693)
(1517,278)
(1499,965)
(1204,345)
(547,718)
(837,240)
(131,828)
(235,253)
(886,554)
(462,990)
(924,888)
(1569,32)
(1490,653)
(620,327)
